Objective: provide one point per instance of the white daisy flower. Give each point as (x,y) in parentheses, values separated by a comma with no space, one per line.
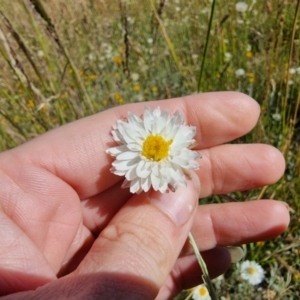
(276,117)
(292,71)
(200,292)
(153,151)
(252,272)
(240,72)
(135,76)
(227,56)
(241,6)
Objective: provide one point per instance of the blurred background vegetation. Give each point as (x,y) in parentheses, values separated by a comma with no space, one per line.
(63,60)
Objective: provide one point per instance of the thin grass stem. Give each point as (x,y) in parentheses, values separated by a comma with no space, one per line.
(291,48)
(206,45)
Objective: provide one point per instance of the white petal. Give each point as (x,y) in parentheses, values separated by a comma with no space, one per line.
(156,112)
(117,136)
(184,137)
(114,151)
(163,187)
(128,155)
(148,119)
(132,118)
(176,173)
(146,184)
(154,169)
(186,159)
(180,161)
(125,165)
(160,122)
(140,168)
(171,129)
(193,165)
(178,145)
(135,185)
(134,134)
(134,147)
(155,181)
(131,174)
(118,172)
(164,172)
(143,169)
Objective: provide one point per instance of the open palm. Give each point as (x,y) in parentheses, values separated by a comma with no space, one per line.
(67,225)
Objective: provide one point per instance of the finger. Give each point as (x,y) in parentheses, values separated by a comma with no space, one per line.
(187,273)
(45,209)
(103,285)
(100,209)
(222,225)
(224,169)
(76,152)
(145,238)
(22,265)
(230,168)
(231,224)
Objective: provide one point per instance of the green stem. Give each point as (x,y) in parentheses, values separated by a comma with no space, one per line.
(203,267)
(206,44)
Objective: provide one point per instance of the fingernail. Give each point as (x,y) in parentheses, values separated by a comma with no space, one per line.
(236,253)
(178,205)
(285,204)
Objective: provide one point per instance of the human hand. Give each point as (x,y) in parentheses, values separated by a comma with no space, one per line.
(67,226)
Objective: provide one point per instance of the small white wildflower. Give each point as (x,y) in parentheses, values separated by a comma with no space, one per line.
(195,56)
(200,292)
(205,10)
(91,57)
(298,70)
(107,48)
(177,8)
(292,71)
(276,117)
(130,20)
(40,53)
(241,6)
(227,56)
(135,76)
(153,151)
(252,272)
(240,72)
(290,82)
(139,98)
(240,21)
(150,41)
(218,281)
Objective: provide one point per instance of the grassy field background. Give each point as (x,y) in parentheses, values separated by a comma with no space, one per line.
(63,60)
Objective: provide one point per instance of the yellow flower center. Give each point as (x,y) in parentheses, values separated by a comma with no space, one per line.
(156,148)
(251,270)
(203,291)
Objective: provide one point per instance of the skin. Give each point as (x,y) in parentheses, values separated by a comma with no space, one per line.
(69,231)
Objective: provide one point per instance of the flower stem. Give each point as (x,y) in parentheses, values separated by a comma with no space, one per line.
(203,267)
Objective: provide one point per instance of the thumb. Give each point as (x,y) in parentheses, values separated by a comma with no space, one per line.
(135,253)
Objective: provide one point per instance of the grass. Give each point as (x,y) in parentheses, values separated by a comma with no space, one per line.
(60,62)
